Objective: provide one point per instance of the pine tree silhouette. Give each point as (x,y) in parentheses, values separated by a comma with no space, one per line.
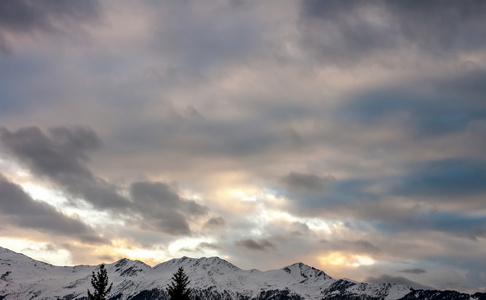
(178,289)
(99,281)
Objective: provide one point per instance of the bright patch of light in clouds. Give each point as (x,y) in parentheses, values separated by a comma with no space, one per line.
(41,193)
(345,259)
(244,195)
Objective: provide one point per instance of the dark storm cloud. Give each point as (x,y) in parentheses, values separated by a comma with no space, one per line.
(61,157)
(310,182)
(17,207)
(251,244)
(413,271)
(398,280)
(343,32)
(163,209)
(26,17)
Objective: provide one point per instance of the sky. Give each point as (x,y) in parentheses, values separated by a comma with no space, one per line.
(347,135)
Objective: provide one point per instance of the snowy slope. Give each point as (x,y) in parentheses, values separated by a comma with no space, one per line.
(211,278)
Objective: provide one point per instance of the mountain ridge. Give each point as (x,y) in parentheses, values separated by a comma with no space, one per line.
(22,277)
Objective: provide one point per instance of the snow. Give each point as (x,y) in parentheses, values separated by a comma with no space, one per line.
(24,278)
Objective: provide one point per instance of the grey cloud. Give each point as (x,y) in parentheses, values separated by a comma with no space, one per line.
(444,179)
(298,228)
(19,208)
(347,32)
(337,197)
(211,246)
(360,246)
(215,222)
(259,245)
(58,155)
(201,247)
(452,107)
(441,26)
(309,182)
(398,280)
(468,86)
(50,248)
(414,271)
(262,134)
(106,258)
(464,225)
(161,208)
(219,33)
(61,157)
(351,246)
(29,17)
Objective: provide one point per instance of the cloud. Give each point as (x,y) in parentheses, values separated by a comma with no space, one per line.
(360,246)
(448,106)
(356,31)
(211,246)
(258,245)
(298,229)
(61,157)
(17,207)
(444,179)
(215,223)
(398,280)
(26,17)
(214,35)
(414,271)
(339,195)
(160,208)
(306,182)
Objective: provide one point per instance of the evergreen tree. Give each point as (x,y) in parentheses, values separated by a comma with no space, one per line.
(178,289)
(99,281)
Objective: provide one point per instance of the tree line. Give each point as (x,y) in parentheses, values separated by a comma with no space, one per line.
(177,288)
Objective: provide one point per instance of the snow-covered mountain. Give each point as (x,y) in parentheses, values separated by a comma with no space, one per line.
(211,278)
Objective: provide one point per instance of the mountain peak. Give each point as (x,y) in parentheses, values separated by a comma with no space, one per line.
(305,271)
(189,263)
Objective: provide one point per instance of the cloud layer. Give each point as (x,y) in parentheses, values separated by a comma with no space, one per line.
(347,136)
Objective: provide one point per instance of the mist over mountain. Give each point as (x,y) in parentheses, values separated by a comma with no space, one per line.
(211,278)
